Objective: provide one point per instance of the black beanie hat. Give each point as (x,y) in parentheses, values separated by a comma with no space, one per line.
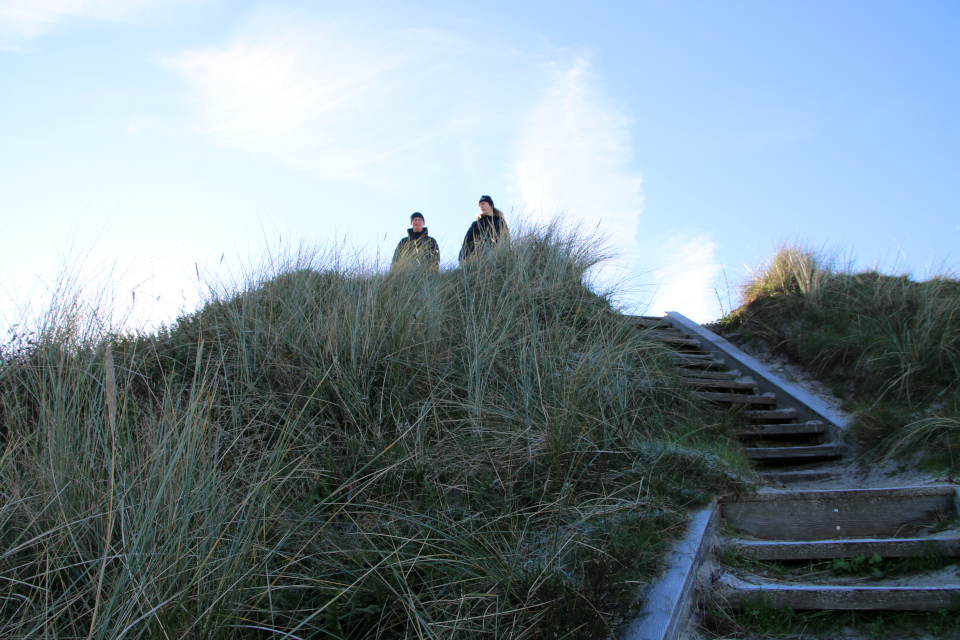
(486,199)
(417,214)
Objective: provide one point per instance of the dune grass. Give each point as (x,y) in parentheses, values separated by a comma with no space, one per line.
(888,345)
(331,451)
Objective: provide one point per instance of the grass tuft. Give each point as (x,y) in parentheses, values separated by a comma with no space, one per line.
(328,450)
(888,345)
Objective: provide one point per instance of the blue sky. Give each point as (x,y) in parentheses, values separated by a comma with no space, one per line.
(163,134)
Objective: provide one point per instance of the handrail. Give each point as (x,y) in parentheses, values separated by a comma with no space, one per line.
(789,395)
(666,610)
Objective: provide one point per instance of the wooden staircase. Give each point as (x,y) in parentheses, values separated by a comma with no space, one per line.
(760,539)
(767,534)
(773,436)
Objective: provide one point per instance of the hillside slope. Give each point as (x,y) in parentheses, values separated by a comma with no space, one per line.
(889,346)
(334,452)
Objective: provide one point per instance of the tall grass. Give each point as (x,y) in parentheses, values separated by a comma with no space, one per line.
(889,345)
(330,451)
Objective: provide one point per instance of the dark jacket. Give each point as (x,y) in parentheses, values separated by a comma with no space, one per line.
(486,229)
(418,247)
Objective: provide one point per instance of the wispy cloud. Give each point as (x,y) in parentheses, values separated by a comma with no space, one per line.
(351,97)
(357,96)
(688,281)
(23,20)
(574,156)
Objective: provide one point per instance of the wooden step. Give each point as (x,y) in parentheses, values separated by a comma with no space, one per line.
(795,429)
(794,454)
(688,357)
(738,398)
(709,375)
(668,333)
(806,475)
(704,364)
(832,515)
(945,544)
(651,321)
(677,341)
(733,592)
(767,415)
(737,385)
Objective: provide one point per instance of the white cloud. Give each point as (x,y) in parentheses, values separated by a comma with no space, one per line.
(22,20)
(689,282)
(353,98)
(360,97)
(574,156)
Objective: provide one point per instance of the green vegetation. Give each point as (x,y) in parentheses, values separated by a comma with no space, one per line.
(329,451)
(759,621)
(888,346)
(872,566)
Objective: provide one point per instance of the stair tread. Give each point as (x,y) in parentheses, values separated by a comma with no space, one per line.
(816,451)
(739,398)
(807,475)
(945,543)
(650,321)
(686,342)
(745,384)
(763,415)
(709,375)
(693,356)
(705,364)
(811,427)
(891,595)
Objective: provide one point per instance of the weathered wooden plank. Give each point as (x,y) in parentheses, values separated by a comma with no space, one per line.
(703,364)
(813,427)
(677,341)
(767,415)
(824,515)
(737,593)
(787,477)
(708,375)
(692,356)
(670,333)
(738,398)
(666,605)
(741,385)
(648,321)
(946,545)
(794,454)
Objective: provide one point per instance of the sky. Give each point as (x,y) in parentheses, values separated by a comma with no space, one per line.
(149,143)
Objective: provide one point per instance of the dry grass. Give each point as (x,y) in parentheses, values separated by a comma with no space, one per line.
(330,451)
(888,345)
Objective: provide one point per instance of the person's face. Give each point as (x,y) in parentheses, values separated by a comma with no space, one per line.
(417,224)
(486,209)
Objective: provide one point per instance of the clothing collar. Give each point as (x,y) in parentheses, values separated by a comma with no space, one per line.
(414,234)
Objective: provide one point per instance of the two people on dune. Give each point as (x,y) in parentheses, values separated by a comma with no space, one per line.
(489,227)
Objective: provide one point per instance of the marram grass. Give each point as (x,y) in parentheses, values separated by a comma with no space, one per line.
(888,345)
(330,451)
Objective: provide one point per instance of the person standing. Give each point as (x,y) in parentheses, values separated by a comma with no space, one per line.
(418,246)
(489,227)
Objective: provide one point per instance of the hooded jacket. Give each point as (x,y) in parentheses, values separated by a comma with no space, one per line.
(488,229)
(418,247)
